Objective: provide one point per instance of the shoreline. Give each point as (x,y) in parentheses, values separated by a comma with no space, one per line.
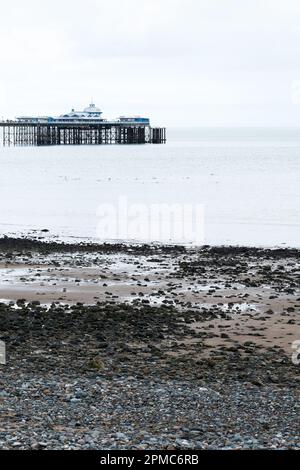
(44,244)
(44,236)
(142,347)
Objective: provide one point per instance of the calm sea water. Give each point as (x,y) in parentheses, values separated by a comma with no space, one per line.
(247,180)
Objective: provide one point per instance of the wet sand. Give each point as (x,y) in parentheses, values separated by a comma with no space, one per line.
(253,297)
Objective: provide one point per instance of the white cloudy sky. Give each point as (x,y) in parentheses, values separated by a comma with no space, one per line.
(205,62)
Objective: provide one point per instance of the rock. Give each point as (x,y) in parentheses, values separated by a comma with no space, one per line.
(257,381)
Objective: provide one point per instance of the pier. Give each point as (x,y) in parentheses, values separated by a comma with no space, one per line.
(85,127)
(15,133)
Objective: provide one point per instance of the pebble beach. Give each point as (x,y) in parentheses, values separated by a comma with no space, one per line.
(148,346)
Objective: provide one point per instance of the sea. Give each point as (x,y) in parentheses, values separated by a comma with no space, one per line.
(243,184)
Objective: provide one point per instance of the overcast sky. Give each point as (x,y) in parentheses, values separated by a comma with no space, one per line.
(180,62)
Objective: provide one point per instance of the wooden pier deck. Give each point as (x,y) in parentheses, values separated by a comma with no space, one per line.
(13,133)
